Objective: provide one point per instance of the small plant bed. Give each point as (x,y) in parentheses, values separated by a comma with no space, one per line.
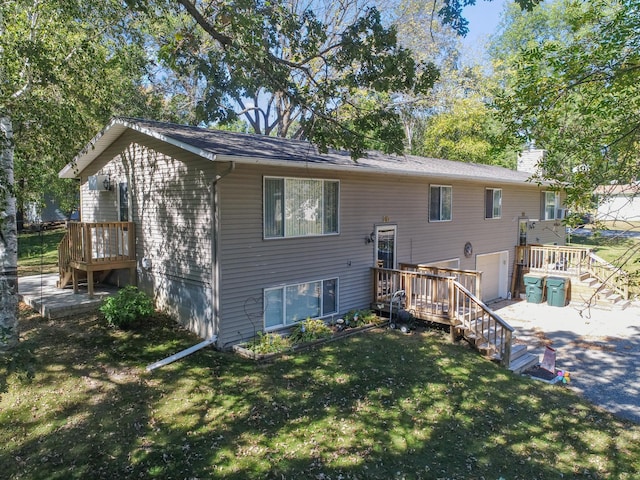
(308,333)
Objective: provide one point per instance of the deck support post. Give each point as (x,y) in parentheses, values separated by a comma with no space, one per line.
(74,275)
(451,310)
(90,282)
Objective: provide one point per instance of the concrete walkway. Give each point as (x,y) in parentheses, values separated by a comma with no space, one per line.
(41,294)
(600,348)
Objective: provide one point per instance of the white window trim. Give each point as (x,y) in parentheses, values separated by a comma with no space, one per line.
(555,208)
(283,288)
(284,236)
(492,217)
(429,207)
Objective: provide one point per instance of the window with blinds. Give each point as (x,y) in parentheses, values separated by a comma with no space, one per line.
(298,207)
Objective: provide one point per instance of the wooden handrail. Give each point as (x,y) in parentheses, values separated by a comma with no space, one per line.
(64,254)
(101,242)
(483,323)
(573,261)
(609,275)
(445,297)
(471,279)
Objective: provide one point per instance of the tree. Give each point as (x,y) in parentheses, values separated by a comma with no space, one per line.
(8,242)
(466,133)
(307,65)
(573,89)
(63,67)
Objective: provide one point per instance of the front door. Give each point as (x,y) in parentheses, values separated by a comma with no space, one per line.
(385,246)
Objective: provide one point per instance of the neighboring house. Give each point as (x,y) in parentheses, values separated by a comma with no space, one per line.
(239,233)
(618,202)
(46,213)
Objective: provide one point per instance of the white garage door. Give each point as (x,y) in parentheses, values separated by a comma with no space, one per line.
(494,268)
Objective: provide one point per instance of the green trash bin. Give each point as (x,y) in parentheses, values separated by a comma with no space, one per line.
(557,288)
(534,288)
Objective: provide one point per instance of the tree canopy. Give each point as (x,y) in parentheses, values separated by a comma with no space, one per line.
(306,67)
(573,89)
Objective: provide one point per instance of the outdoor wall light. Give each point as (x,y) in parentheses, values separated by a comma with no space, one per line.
(369,238)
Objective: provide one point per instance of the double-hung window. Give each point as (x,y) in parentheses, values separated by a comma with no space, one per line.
(288,304)
(550,205)
(493,203)
(299,207)
(440,203)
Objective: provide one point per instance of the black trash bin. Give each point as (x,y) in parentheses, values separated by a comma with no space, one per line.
(534,288)
(557,288)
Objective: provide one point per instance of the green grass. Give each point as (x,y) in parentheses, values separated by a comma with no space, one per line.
(76,402)
(38,252)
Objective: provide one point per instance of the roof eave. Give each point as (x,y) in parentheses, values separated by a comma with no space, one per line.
(112,131)
(361,167)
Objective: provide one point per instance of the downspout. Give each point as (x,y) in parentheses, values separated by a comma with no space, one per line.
(215,270)
(215,246)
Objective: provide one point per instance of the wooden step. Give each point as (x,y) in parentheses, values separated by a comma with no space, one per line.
(518,351)
(524,362)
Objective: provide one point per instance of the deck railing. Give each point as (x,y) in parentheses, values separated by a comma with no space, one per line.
(610,275)
(64,255)
(553,259)
(572,261)
(444,299)
(100,242)
(479,323)
(470,279)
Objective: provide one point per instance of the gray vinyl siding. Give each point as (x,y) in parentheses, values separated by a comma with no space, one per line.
(249,263)
(169,194)
(170,197)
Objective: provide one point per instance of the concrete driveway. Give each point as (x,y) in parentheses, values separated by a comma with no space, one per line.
(600,348)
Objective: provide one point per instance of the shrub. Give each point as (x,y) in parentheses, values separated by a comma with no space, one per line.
(126,307)
(359,318)
(310,330)
(269,343)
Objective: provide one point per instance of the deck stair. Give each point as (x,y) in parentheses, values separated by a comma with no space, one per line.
(520,359)
(442,297)
(590,290)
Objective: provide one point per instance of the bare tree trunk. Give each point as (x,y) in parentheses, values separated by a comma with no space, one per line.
(8,241)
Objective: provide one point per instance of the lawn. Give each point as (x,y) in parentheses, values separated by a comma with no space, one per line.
(76,402)
(38,252)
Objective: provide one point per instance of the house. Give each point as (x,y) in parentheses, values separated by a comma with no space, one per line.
(237,233)
(619,202)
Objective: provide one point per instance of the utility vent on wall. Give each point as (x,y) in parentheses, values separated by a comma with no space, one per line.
(100,183)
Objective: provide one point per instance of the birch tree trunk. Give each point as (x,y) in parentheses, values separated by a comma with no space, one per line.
(8,241)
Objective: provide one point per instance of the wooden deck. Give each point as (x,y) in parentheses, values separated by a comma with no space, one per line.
(563,261)
(442,297)
(96,248)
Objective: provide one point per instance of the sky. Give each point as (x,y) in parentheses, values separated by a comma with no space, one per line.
(483,20)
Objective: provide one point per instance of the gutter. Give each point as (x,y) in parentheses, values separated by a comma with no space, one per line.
(182,354)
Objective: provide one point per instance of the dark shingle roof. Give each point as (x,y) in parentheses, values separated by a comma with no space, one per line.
(242,147)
